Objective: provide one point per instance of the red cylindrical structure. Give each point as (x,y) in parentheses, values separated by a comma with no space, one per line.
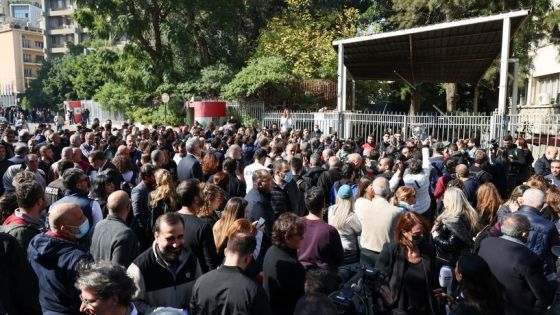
(207,111)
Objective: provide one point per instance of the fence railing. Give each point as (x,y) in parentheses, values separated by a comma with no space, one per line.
(538,130)
(246,111)
(95,111)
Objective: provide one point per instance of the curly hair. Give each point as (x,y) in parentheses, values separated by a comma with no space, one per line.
(210,192)
(210,164)
(165,189)
(287,225)
(538,182)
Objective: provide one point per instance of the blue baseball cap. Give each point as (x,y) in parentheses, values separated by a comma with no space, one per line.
(345,192)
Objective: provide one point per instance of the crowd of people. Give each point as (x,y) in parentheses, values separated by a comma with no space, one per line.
(240,220)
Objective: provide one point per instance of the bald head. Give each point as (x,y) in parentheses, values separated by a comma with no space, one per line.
(551,152)
(65,214)
(462,171)
(66,153)
(118,204)
(380,187)
(355,159)
(334,161)
(123,150)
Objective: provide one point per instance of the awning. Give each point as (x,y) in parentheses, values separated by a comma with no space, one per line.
(459,51)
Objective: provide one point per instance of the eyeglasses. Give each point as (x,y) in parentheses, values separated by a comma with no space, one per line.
(88,303)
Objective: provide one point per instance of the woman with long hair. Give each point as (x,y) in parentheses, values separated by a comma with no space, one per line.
(101,188)
(235,209)
(210,165)
(479,288)
(164,198)
(488,201)
(409,265)
(552,209)
(341,215)
(286,122)
(454,229)
(404,198)
(222,179)
(212,196)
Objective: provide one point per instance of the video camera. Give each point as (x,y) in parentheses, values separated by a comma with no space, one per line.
(359,295)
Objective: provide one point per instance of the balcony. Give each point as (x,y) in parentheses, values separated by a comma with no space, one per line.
(61,30)
(60,11)
(58,49)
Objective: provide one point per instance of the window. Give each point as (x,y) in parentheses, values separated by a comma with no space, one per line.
(39,59)
(26,43)
(38,44)
(27,72)
(547,85)
(26,58)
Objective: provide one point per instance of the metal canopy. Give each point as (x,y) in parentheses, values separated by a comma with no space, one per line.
(458,51)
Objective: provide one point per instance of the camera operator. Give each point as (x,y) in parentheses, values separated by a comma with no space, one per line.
(517,165)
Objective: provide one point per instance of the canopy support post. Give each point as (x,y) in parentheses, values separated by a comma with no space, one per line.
(504,60)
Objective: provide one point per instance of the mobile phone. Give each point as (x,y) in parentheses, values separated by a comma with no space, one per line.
(261,221)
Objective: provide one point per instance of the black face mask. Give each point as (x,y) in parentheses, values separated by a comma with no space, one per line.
(417,240)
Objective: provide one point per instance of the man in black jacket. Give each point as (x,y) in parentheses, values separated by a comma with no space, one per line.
(189,166)
(112,239)
(227,290)
(4,164)
(285,192)
(259,200)
(327,179)
(198,233)
(140,208)
(542,165)
(165,273)
(517,268)
(315,169)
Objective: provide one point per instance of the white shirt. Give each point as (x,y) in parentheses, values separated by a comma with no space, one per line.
(286,124)
(378,218)
(248,173)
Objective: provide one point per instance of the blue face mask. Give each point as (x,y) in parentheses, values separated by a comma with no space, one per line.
(84,229)
(288,177)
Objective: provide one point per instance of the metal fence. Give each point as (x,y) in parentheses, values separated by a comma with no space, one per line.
(539,130)
(95,111)
(356,125)
(246,111)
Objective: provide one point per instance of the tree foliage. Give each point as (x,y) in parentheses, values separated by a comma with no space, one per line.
(262,77)
(71,77)
(303,33)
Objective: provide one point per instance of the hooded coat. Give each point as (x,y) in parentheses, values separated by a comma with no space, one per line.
(54,261)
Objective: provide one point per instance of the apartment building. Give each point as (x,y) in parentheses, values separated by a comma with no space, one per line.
(21,57)
(28,12)
(59,26)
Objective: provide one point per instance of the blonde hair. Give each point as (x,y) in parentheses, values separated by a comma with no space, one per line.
(341,210)
(165,189)
(209,193)
(402,194)
(456,205)
(234,210)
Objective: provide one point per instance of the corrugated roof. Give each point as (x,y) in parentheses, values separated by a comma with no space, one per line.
(459,51)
